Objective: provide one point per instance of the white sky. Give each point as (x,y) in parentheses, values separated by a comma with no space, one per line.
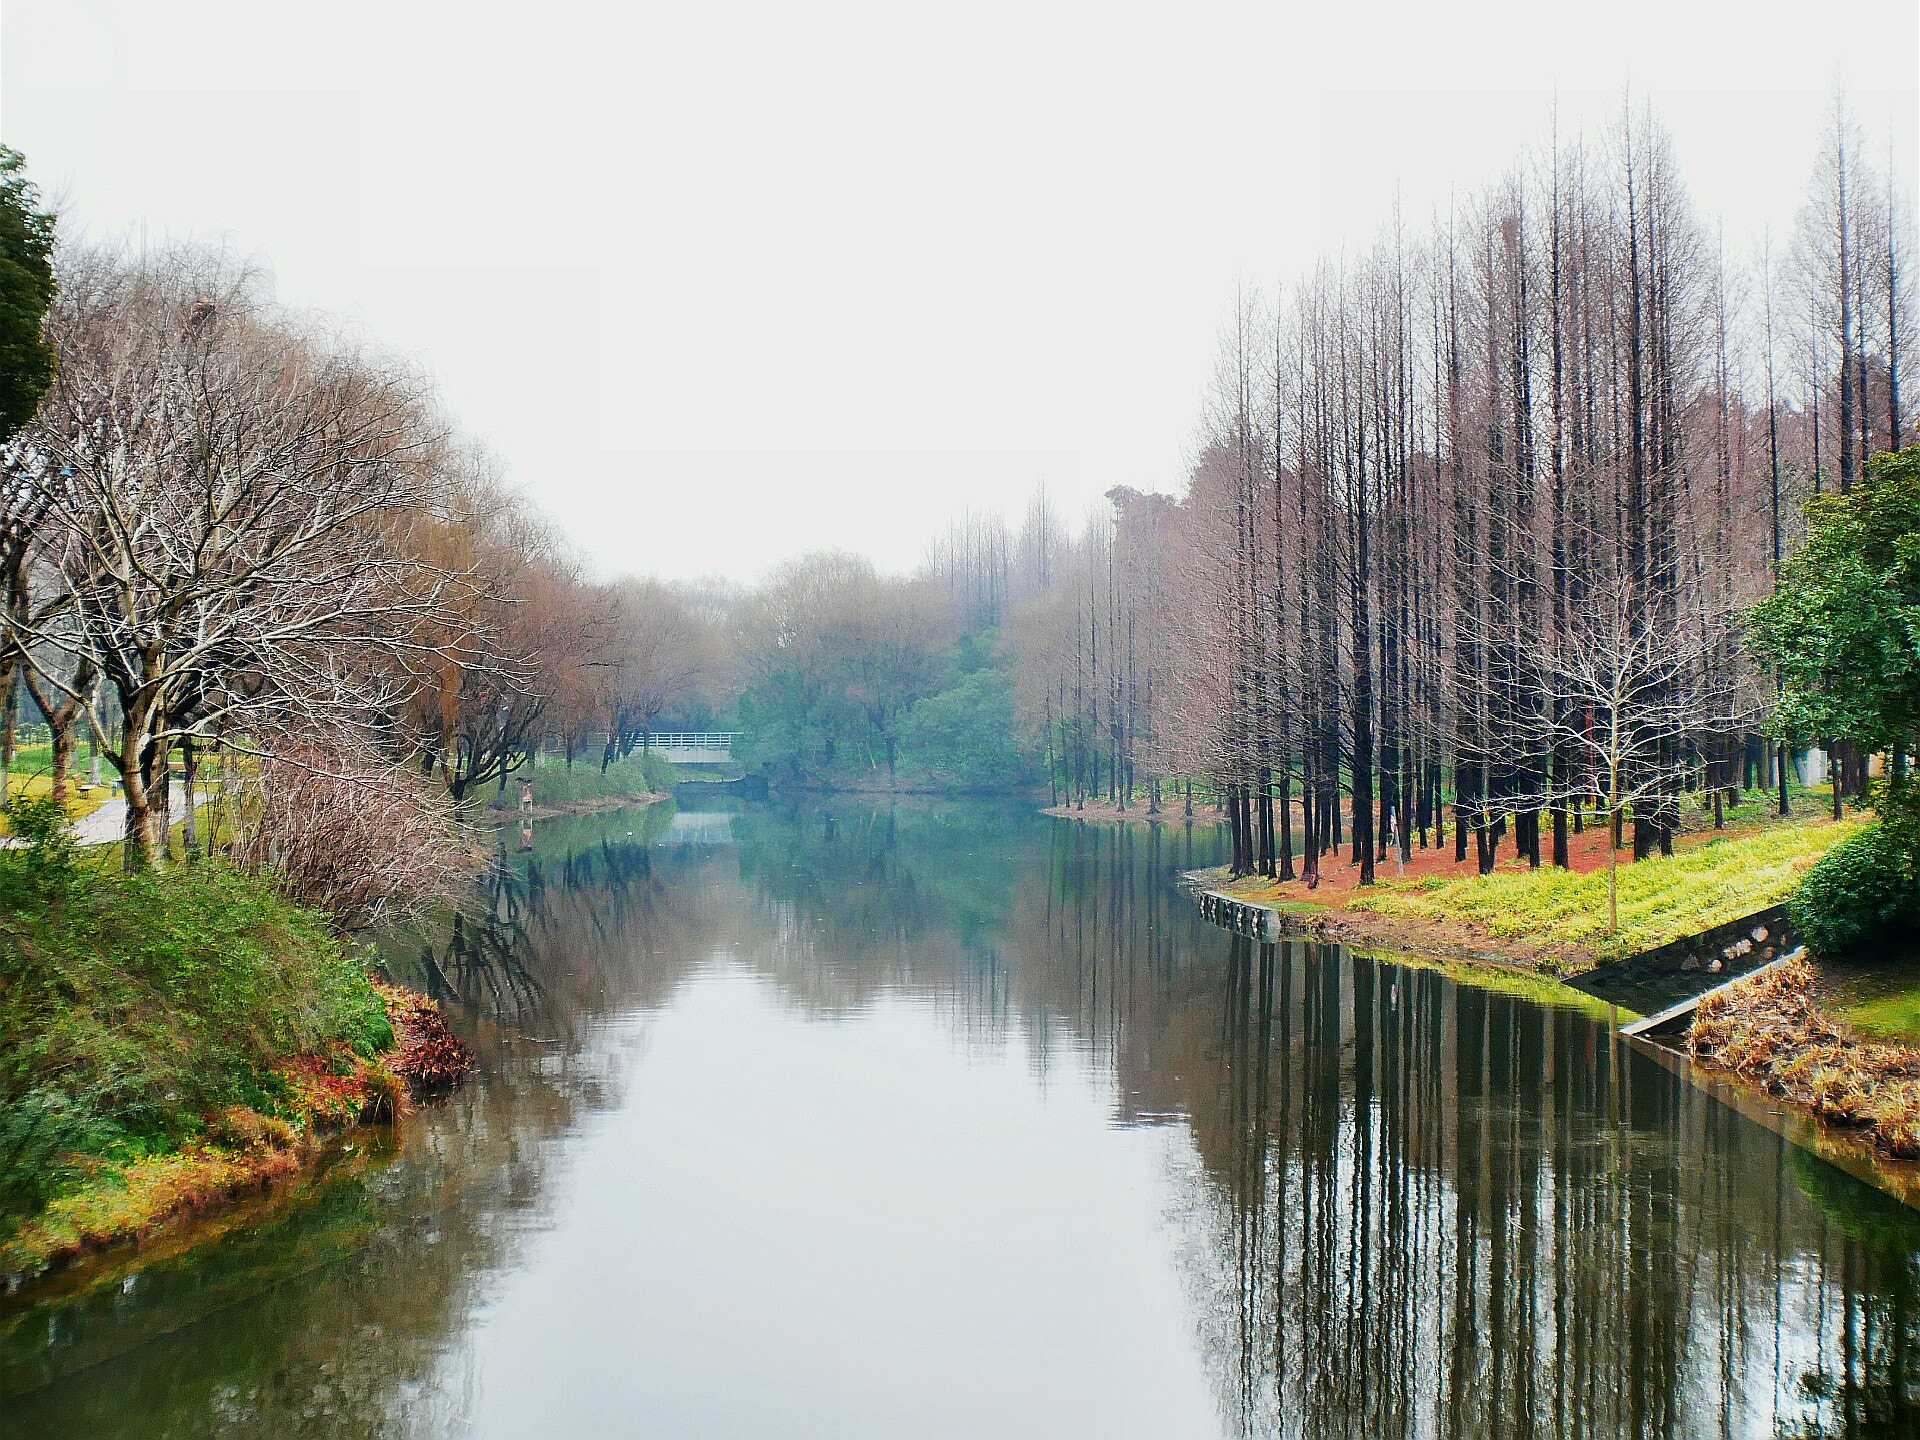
(722,282)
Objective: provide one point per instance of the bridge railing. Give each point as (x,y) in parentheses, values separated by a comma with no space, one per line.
(696,740)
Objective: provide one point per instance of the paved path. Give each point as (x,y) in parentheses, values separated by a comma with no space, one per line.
(109,822)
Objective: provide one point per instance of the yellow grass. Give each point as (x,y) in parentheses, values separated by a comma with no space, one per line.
(82,799)
(1661,899)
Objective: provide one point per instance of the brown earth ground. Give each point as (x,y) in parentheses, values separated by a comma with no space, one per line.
(1323,910)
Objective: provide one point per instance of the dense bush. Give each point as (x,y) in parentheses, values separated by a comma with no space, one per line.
(964,736)
(1859,894)
(642,773)
(349,834)
(134,1008)
(40,822)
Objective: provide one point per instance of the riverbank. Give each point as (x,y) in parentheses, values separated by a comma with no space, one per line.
(1786,1031)
(246,1151)
(1548,920)
(587,805)
(586,787)
(170,1041)
(1772,1031)
(1171,812)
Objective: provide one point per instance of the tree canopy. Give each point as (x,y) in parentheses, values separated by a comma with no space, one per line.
(26,291)
(1842,632)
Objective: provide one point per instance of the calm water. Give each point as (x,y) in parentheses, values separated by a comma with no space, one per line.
(908,1121)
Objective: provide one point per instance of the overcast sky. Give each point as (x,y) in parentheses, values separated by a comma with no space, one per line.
(722,282)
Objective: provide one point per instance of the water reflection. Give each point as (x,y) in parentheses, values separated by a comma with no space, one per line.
(1442,1211)
(1384,1203)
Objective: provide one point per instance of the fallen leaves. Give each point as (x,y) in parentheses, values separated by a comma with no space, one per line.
(1770,1030)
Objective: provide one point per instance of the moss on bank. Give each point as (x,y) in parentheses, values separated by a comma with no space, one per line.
(1887,1014)
(166,1040)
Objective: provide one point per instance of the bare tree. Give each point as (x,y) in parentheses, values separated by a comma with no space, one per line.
(220,492)
(651,657)
(347,832)
(1629,704)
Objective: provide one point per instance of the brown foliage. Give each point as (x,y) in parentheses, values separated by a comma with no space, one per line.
(1770,1030)
(426,1054)
(349,835)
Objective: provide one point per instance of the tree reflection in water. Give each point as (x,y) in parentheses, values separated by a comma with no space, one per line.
(1417,1207)
(1426,1209)
(1403,1206)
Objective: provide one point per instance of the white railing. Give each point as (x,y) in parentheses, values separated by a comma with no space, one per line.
(699,740)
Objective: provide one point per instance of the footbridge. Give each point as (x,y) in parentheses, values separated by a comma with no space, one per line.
(698,747)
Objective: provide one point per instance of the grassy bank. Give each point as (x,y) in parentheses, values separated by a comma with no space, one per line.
(32,774)
(1557,920)
(1881,1003)
(166,1040)
(557,785)
(1660,899)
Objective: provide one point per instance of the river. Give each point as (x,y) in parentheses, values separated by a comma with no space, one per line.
(861,1119)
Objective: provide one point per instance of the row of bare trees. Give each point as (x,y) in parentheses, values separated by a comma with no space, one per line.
(1474,516)
(228,527)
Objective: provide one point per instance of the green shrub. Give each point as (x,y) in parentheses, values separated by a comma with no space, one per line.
(132,1008)
(43,1134)
(1859,894)
(641,773)
(42,822)
(965,735)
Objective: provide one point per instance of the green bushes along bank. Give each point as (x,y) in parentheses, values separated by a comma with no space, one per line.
(1859,895)
(183,1017)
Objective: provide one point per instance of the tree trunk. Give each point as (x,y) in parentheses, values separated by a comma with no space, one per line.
(62,760)
(1283,865)
(8,734)
(190,825)
(139,851)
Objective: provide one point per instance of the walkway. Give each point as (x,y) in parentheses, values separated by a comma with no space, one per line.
(109,822)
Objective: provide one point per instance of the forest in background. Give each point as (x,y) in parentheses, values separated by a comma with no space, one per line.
(1473,518)
(1472,528)
(1479,512)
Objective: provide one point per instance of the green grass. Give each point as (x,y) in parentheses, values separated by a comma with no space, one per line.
(1884,1017)
(1877,994)
(32,774)
(1661,899)
(1759,807)
(555,784)
(135,1010)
